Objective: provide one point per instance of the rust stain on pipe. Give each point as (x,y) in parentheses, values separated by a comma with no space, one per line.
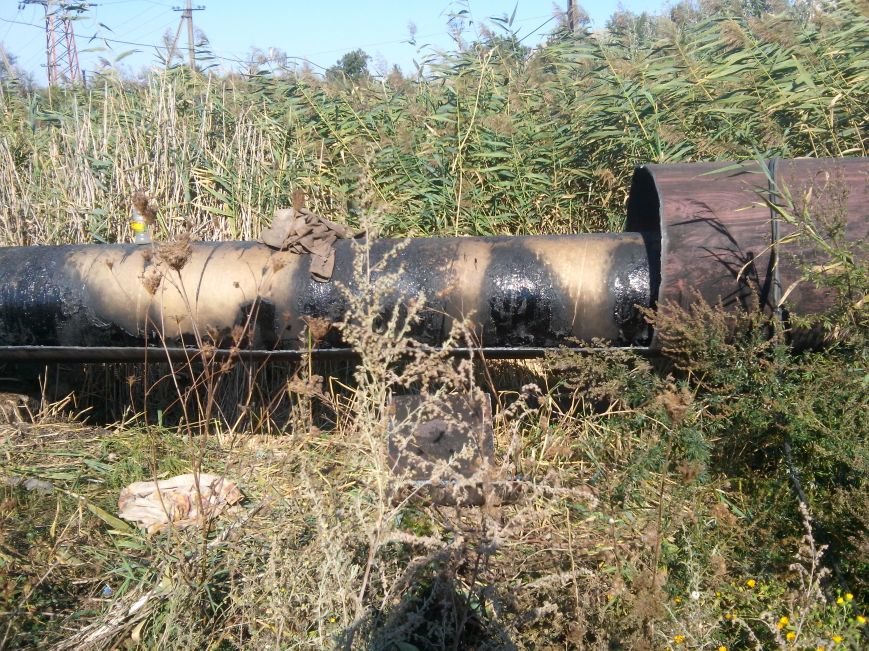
(465,284)
(132,288)
(833,196)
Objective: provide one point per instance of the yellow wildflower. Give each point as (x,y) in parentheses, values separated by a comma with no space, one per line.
(722,648)
(677,600)
(840,601)
(782,622)
(679,639)
(751,583)
(837,638)
(791,636)
(860,619)
(849,596)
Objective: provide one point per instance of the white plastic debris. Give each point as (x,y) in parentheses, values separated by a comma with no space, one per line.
(183,501)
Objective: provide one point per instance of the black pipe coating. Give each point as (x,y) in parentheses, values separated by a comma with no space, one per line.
(516,293)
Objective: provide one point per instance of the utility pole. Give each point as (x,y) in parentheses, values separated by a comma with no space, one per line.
(61,54)
(571,16)
(186,14)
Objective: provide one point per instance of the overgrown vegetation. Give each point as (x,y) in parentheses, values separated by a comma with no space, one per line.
(497,139)
(718,497)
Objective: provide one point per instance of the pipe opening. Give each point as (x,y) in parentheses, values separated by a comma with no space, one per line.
(644,217)
(644,204)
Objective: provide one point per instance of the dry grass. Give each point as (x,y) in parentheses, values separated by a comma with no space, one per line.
(626,531)
(497,140)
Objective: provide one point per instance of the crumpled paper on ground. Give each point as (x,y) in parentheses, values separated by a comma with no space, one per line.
(154,504)
(301,231)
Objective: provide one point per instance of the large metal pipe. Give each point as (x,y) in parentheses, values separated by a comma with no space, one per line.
(717,232)
(517,292)
(744,235)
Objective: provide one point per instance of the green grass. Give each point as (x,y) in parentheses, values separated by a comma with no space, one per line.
(650,499)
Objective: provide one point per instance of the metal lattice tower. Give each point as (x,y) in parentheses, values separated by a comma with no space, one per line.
(61,54)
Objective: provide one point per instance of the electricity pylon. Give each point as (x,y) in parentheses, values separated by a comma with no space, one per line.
(61,54)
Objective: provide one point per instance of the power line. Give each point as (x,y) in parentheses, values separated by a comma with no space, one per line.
(245,62)
(92,37)
(126,2)
(20,9)
(154,10)
(98,37)
(539,27)
(27,58)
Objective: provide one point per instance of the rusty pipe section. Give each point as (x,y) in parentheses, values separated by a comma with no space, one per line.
(121,302)
(748,235)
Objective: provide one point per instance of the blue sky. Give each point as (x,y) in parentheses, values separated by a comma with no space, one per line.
(317,30)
